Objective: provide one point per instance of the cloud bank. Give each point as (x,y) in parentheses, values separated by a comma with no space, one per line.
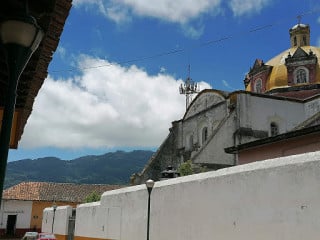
(181,12)
(105,107)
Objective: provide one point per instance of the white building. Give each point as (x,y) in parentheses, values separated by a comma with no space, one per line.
(279,95)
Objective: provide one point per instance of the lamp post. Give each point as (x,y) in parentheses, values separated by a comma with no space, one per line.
(149,184)
(54,206)
(20,37)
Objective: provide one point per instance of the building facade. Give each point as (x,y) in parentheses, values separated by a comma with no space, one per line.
(23,204)
(279,95)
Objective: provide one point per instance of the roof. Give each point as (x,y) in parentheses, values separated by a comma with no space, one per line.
(59,192)
(279,75)
(311,121)
(315,129)
(51,16)
(302,92)
(299,25)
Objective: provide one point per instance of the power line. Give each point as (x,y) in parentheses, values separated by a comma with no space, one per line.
(195,46)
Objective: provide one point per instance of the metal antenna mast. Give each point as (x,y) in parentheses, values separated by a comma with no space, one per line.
(189,88)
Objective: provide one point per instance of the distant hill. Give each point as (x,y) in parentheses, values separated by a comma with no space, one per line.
(110,168)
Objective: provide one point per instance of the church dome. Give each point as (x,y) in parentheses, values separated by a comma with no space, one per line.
(296,66)
(279,74)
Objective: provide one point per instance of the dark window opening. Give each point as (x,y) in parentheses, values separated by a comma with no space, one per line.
(258,86)
(204,135)
(274,129)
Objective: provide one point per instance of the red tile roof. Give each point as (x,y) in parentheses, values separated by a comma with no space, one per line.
(60,192)
(302,94)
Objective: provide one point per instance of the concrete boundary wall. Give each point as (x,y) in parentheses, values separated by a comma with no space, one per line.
(60,223)
(272,199)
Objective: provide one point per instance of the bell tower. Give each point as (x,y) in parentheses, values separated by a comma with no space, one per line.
(300,34)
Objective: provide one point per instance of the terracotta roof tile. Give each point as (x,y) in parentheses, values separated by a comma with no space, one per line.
(303,94)
(48,191)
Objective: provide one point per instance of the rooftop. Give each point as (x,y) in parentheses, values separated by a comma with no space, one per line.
(60,192)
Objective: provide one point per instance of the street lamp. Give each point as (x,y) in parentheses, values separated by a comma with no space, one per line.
(20,37)
(54,206)
(149,184)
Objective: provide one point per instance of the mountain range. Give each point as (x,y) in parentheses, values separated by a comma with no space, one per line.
(109,168)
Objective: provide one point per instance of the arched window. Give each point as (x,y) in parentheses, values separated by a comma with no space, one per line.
(274,130)
(295,41)
(258,86)
(304,39)
(301,75)
(204,135)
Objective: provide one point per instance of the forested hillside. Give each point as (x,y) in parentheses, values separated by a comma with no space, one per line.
(110,168)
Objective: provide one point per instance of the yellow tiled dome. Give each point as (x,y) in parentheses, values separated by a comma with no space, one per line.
(278,77)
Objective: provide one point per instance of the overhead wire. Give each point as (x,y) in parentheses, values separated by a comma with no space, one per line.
(179,50)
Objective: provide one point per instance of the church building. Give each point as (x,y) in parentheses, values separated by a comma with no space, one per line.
(279,95)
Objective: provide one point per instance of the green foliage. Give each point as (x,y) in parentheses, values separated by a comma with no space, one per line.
(92,197)
(186,168)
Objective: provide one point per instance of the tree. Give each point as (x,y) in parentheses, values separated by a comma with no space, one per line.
(186,168)
(92,197)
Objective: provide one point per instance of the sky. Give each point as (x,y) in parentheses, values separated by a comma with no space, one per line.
(113,83)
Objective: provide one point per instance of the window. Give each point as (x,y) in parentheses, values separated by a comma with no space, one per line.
(274,130)
(204,135)
(190,142)
(258,86)
(301,75)
(295,41)
(304,40)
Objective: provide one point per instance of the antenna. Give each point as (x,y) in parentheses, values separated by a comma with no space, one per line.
(189,88)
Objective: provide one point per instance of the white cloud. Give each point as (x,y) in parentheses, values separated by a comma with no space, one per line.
(104,107)
(243,7)
(163,69)
(61,51)
(193,32)
(178,11)
(182,12)
(227,85)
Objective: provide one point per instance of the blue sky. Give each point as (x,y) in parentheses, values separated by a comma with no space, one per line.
(113,81)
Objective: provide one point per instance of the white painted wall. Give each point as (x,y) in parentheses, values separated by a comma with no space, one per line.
(13,207)
(61,217)
(258,112)
(254,112)
(214,152)
(272,199)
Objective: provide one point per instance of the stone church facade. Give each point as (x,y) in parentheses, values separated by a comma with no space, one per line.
(279,95)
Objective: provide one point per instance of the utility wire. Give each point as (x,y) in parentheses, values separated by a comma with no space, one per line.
(195,46)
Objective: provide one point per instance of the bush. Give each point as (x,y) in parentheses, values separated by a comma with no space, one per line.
(92,197)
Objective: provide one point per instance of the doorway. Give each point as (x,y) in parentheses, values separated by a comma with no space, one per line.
(11,225)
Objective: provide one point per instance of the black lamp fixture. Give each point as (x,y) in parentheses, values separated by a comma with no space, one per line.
(20,36)
(54,206)
(149,185)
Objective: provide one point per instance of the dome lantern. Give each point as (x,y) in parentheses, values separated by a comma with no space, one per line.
(299,35)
